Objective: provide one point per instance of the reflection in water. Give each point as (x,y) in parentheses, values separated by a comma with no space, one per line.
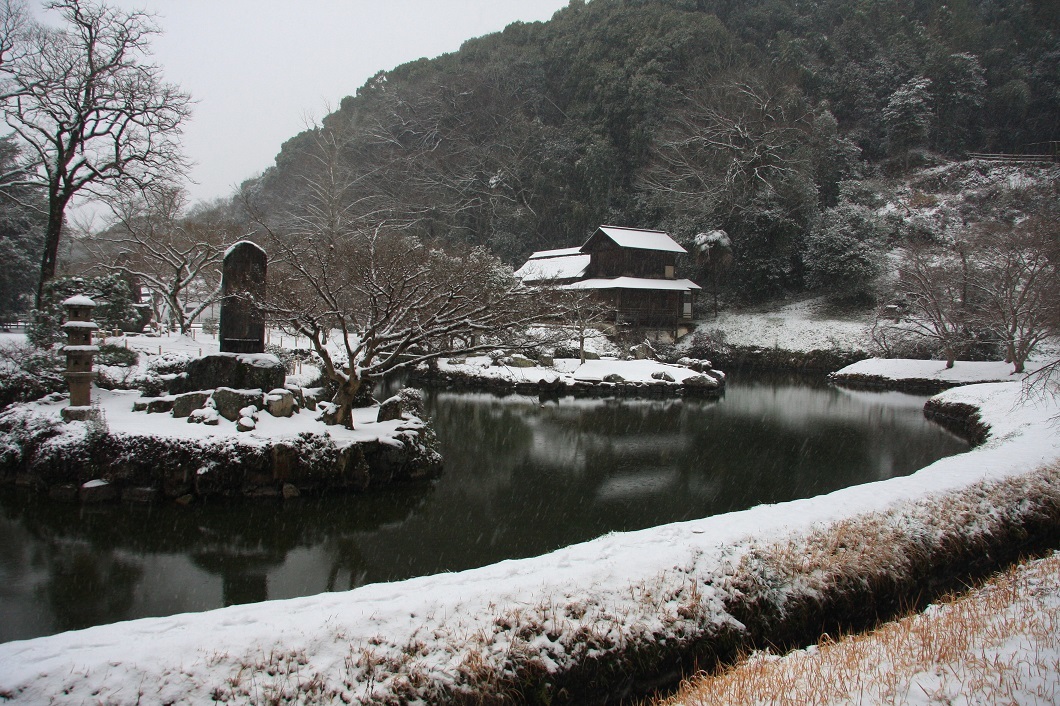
(522,477)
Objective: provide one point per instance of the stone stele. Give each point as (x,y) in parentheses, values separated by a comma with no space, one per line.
(242,328)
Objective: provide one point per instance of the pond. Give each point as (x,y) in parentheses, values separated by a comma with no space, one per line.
(522,477)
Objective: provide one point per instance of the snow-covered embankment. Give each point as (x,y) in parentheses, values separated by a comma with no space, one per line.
(591,619)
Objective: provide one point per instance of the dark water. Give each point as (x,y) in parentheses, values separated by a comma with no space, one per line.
(521,479)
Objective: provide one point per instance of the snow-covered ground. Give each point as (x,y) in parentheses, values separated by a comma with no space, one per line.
(423,635)
(963,372)
(568,370)
(119,417)
(994,645)
(798,326)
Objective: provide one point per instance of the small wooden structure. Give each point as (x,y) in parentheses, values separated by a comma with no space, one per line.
(79,354)
(633,270)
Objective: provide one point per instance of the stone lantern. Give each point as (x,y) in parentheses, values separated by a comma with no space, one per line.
(79,351)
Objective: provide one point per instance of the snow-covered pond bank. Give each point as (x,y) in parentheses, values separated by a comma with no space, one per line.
(520,479)
(575,611)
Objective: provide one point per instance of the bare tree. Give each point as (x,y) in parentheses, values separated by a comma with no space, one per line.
(934,285)
(89,110)
(153,240)
(373,300)
(377,301)
(1018,283)
(727,142)
(581,310)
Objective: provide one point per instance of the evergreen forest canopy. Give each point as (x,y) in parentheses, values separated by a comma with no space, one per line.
(756,117)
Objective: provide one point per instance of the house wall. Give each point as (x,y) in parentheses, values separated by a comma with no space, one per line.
(644,307)
(610,260)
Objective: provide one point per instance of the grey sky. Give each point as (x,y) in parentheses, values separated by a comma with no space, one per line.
(259,69)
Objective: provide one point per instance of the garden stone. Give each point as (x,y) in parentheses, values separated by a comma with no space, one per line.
(206,416)
(142,496)
(160,405)
(700,381)
(519,361)
(185,404)
(613,378)
(280,403)
(245,424)
(405,404)
(98,491)
(642,351)
(230,402)
(662,375)
(244,372)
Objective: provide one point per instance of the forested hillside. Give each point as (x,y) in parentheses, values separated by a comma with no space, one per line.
(757,117)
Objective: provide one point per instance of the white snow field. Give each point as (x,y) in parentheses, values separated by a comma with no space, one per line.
(409,640)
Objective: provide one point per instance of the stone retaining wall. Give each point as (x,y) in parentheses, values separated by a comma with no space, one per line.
(100,466)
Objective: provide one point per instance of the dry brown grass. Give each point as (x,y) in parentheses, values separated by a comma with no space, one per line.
(997,644)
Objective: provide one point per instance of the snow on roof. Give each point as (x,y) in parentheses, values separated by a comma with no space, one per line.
(561,252)
(679,285)
(78,300)
(641,239)
(568,267)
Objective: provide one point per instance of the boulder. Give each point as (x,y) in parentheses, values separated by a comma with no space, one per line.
(642,351)
(519,361)
(230,402)
(290,491)
(298,393)
(160,405)
(698,364)
(207,416)
(280,403)
(141,495)
(546,361)
(613,378)
(407,403)
(700,381)
(245,424)
(313,396)
(662,375)
(243,371)
(185,404)
(589,355)
(98,491)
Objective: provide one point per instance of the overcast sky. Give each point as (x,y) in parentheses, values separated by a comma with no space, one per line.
(259,69)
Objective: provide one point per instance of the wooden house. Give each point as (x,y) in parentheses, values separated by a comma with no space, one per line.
(633,270)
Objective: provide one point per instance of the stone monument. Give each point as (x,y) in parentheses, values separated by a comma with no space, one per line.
(242,328)
(79,352)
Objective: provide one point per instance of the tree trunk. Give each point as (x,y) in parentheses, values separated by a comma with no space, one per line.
(342,404)
(50,258)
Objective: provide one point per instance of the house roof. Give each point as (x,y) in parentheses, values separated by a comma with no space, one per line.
(640,239)
(553,268)
(679,285)
(562,252)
